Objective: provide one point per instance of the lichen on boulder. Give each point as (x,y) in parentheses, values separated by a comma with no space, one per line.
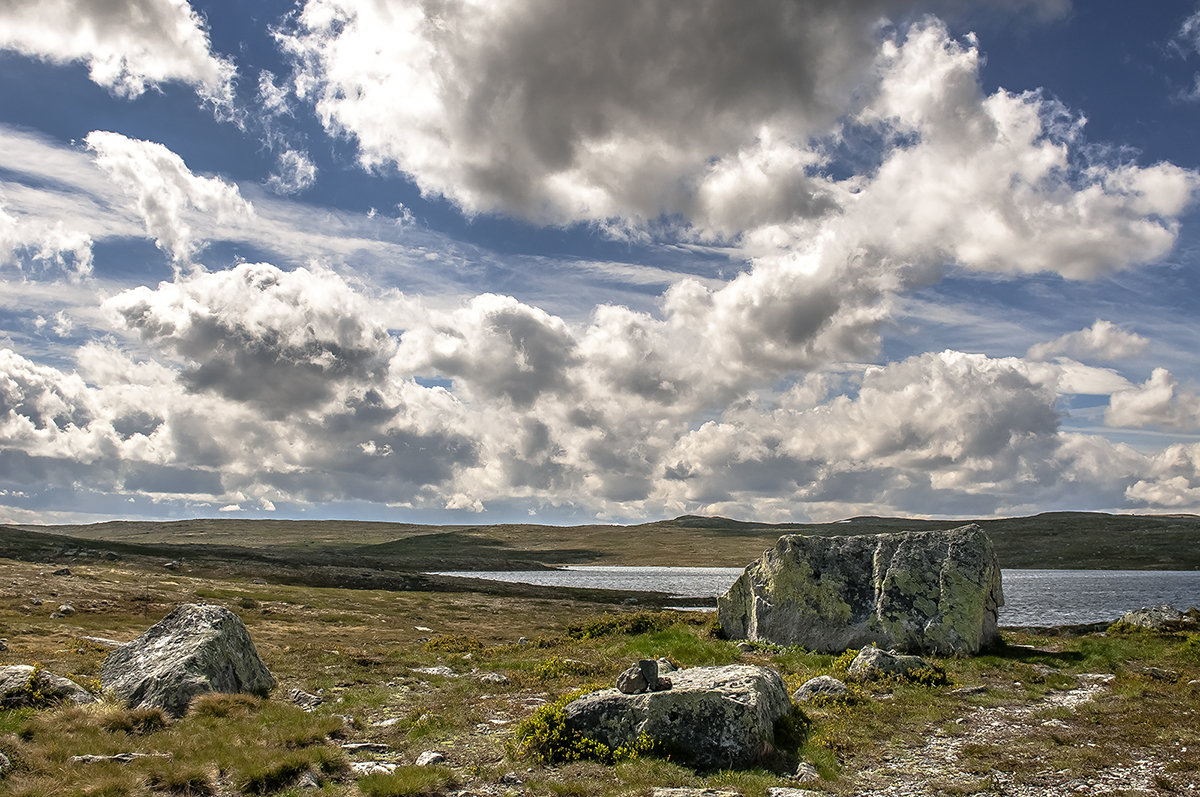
(193,650)
(712,717)
(930,592)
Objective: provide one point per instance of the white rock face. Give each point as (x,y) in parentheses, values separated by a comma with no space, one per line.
(712,717)
(929,592)
(193,650)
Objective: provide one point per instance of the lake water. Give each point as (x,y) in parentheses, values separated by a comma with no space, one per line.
(1031,597)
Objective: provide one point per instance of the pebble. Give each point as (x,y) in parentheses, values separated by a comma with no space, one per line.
(430,758)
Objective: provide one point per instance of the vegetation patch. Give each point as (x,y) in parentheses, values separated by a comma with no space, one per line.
(409,781)
(546,739)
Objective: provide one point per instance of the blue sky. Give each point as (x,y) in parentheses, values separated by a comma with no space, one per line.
(485,262)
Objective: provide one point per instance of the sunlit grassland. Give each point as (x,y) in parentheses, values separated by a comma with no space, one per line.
(362,649)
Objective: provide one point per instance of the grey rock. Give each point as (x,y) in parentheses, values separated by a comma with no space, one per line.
(308,781)
(493,678)
(1158,618)
(120,758)
(935,592)
(440,669)
(102,641)
(822,686)
(5,765)
(806,773)
(306,700)
(171,565)
(3,645)
(363,768)
(367,747)
(683,791)
(21,685)
(193,650)
(62,571)
(712,717)
(745,647)
(872,663)
(665,667)
(66,610)
(35,602)
(1159,674)
(968,691)
(430,758)
(784,791)
(641,677)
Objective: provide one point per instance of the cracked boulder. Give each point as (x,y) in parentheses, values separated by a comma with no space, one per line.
(933,592)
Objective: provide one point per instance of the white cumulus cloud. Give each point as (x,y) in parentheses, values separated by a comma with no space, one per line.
(1103,340)
(128,46)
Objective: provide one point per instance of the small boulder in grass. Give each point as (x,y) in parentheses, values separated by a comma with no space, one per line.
(193,650)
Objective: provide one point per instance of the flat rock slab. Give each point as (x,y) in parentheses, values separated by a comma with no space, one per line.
(712,717)
(193,650)
(932,592)
(22,685)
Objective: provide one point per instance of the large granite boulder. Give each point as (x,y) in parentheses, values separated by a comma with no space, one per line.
(930,592)
(711,717)
(193,650)
(22,685)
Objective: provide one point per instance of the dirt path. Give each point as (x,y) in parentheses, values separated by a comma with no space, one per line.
(935,768)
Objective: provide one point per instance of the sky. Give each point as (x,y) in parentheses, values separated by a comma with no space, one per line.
(468,261)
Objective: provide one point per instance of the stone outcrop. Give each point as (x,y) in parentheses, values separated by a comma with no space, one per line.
(22,685)
(193,650)
(822,686)
(712,717)
(871,664)
(931,592)
(642,677)
(1160,618)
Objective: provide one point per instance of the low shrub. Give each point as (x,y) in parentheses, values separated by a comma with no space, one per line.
(135,722)
(554,668)
(611,624)
(219,704)
(454,643)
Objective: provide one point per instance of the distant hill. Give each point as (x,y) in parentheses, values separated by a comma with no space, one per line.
(1055,540)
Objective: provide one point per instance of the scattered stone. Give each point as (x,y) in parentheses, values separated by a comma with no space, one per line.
(308,781)
(171,565)
(120,758)
(102,641)
(784,791)
(713,717)
(22,685)
(1159,674)
(511,779)
(35,601)
(440,669)
(493,678)
(110,556)
(387,723)
(523,641)
(1158,618)
(872,663)
(642,677)
(3,645)
(306,700)
(5,764)
(365,747)
(806,773)
(822,686)
(194,649)
(666,666)
(934,591)
(683,791)
(745,647)
(430,758)
(62,571)
(363,768)
(967,691)
(66,610)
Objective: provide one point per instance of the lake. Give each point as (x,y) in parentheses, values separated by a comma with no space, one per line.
(1031,597)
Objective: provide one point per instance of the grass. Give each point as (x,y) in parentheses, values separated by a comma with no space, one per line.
(361,650)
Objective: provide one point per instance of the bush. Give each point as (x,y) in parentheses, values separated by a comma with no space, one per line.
(555,667)
(610,624)
(219,704)
(135,722)
(454,643)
